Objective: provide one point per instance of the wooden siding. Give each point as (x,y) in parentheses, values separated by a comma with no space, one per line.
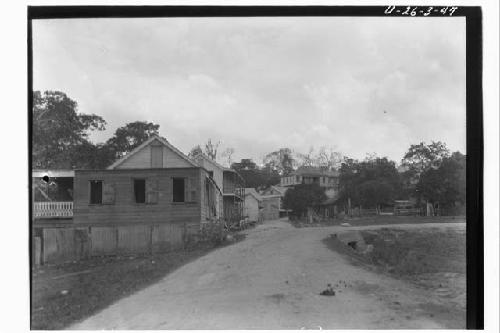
(203,199)
(217,171)
(142,159)
(271,208)
(251,209)
(124,210)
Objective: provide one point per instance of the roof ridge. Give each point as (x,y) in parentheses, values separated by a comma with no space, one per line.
(147,142)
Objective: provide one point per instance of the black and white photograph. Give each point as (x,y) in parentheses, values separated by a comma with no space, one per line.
(250,168)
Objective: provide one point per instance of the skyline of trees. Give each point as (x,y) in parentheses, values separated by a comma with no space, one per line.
(430,171)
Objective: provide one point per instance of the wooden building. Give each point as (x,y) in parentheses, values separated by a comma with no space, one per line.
(234,195)
(253,205)
(153,184)
(312,175)
(215,171)
(271,207)
(280,191)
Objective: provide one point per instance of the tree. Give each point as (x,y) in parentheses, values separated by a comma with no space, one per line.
(374,193)
(281,160)
(94,156)
(303,196)
(211,149)
(227,154)
(422,156)
(130,136)
(254,176)
(445,185)
(306,160)
(328,159)
(195,151)
(59,131)
(370,183)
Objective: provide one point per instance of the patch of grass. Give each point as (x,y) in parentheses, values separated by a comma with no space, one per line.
(65,294)
(378,220)
(432,259)
(407,253)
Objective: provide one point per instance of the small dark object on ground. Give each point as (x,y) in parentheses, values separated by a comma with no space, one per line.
(328,291)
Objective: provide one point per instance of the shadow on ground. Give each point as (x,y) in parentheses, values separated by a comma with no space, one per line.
(67,293)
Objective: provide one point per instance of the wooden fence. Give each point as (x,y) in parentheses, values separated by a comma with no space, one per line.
(53,209)
(57,245)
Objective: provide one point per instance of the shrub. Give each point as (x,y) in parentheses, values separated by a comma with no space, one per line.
(303,196)
(213,232)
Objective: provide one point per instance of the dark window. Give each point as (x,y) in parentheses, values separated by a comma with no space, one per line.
(140,190)
(96,192)
(178,189)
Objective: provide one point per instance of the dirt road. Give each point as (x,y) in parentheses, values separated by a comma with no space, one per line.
(272,280)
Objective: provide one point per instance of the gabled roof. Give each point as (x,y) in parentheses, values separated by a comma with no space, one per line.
(270,196)
(147,142)
(280,189)
(251,191)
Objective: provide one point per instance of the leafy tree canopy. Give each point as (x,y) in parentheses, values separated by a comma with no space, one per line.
(281,161)
(59,131)
(60,135)
(422,156)
(130,136)
(302,196)
(254,176)
(369,183)
(445,184)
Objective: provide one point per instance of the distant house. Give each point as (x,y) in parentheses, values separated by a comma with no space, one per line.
(271,207)
(154,184)
(312,175)
(233,190)
(280,191)
(275,190)
(328,179)
(253,205)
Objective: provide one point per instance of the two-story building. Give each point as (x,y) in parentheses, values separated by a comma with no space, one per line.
(327,179)
(312,175)
(233,191)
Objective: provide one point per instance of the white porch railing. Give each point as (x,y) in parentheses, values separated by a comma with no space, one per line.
(53,209)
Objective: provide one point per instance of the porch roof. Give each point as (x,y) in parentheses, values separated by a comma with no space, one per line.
(39,173)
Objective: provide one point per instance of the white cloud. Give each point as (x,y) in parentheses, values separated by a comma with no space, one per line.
(259,84)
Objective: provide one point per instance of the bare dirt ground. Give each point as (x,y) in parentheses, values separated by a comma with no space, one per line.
(272,280)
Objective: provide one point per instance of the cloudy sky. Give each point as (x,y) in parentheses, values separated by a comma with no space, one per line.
(359,85)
